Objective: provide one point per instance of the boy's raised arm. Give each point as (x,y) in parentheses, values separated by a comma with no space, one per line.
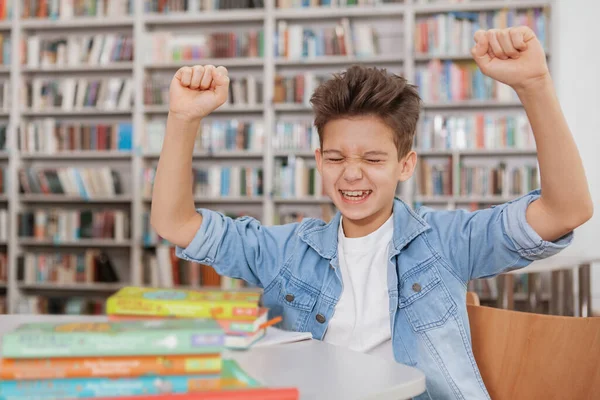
(194,93)
(515,57)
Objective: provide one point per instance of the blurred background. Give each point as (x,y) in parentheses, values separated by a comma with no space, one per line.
(84,100)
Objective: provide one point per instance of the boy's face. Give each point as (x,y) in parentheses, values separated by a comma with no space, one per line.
(360,168)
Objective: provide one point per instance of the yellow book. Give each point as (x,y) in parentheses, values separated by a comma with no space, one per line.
(181,303)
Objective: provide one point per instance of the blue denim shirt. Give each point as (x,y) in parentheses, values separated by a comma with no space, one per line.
(438,250)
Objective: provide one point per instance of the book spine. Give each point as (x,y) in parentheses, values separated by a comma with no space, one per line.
(38,345)
(107,367)
(235,326)
(166,308)
(241,394)
(105,387)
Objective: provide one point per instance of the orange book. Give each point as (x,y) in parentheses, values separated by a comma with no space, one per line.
(241,394)
(107,367)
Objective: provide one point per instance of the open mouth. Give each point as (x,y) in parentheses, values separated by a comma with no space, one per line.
(355,196)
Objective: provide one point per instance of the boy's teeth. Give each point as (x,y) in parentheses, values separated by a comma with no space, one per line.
(355,193)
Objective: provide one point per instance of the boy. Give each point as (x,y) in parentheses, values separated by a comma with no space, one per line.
(381,278)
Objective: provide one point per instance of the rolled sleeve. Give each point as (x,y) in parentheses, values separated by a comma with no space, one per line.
(239,248)
(527,241)
(203,247)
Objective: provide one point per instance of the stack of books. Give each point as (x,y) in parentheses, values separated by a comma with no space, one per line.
(237,312)
(117,359)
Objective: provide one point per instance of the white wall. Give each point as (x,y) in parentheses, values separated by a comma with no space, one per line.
(575,52)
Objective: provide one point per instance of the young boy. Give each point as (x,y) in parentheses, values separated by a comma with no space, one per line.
(381,278)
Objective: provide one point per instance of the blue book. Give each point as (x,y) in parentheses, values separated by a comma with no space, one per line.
(125,141)
(232,377)
(81,388)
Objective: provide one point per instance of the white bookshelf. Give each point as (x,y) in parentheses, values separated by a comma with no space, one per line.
(81,243)
(58,198)
(236,62)
(79,287)
(139,25)
(477,5)
(78,155)
(383,10)
(338,60)
(77,23)
(251,15)
(87,111)
(116,66)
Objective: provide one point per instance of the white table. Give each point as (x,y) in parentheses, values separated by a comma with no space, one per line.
(317,369)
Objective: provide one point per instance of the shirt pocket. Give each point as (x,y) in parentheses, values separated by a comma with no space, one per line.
(298,301)
(425,298)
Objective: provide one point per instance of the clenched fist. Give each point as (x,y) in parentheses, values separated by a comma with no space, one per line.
(513,56)
(197,91)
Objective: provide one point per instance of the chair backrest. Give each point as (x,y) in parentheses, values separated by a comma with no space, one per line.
(472,298)
(534,356)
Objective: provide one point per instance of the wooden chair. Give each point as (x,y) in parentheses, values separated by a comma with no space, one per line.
(534,356)
(472,299)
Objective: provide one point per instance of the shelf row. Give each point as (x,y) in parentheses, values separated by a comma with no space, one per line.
(257,14)
(438,199)
(293,107)
(115,155)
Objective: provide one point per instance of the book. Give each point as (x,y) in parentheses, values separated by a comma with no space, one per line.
(63,224)
(184,303)
(242,394)
(52,136)
(297,177)
(243,90)
(64,305)
(70,9)
(232,327)
(213,136)
(169,46)
(217,181)
(452,32)
(118,338)
(109,367)
(231,377)
(243,341)
(89,266)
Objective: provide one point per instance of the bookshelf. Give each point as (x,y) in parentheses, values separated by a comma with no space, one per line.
(259,63)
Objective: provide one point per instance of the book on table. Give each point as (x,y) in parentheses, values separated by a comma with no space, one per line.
(181,303)
(163,357)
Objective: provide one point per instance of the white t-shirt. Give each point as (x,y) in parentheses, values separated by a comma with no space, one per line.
(361,320)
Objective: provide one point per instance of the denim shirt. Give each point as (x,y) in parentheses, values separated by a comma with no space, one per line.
(433,256)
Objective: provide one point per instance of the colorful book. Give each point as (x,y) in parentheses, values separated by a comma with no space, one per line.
(236,327)
(119,338)
(108,367)
(232,377)
(181,303)
(230,326)
(243,341)
(241,394)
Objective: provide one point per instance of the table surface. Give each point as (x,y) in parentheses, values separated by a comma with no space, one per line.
(319,370)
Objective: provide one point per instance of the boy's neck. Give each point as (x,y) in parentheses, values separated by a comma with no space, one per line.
(366,226)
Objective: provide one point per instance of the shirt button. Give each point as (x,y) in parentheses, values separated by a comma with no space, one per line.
(416,287)
(289,297)
(320,318)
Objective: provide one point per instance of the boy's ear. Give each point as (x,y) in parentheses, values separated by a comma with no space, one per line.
(407,166)
(319,159)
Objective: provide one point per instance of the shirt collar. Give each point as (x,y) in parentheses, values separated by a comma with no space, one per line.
(407,226)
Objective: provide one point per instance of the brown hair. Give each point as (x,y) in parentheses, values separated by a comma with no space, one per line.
(369,91)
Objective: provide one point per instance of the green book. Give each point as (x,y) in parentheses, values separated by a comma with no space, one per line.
(118,338)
